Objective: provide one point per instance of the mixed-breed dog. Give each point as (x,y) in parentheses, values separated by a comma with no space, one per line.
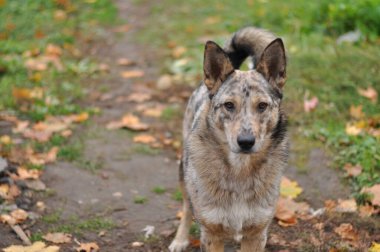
(235,144)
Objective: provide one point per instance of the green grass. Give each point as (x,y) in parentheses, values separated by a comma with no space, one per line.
(77,226)
(31,26)
(145,150)
(140,199)
(317,66)
(177,195)
(159,190)
(71,151)
(52,218)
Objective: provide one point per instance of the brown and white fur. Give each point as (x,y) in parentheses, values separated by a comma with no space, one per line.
(235,144)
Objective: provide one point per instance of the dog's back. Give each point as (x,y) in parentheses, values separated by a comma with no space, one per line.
(235,144)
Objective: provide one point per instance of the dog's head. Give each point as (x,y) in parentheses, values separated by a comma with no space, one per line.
(245,105)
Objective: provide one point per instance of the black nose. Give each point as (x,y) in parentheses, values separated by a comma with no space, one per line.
(246,141)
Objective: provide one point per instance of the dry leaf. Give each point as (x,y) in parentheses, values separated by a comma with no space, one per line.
(5,139)
(346,232)
(178,51)
(80,117)
(137,244)
(129,121)
(132,74)
(356,111)
(144,138)
(352,130)
(35,247)
(369,93)
(139,97)
(346,206)
(19,215)
(352,170)
(289,188)
(154,112)
(375,191)
(367,210)
(6,218)
(375,247)
(57,237)
(88,247)
(24,173)
(287,211)
(311,104)
(195,243)
(27,93)
(53,50)
(124,62)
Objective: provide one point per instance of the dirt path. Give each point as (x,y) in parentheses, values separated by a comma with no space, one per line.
(112,172)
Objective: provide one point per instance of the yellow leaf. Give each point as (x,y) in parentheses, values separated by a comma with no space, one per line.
(5,139)
(289,188)
(132,74)
(375,247)
(35,247)
(352,130)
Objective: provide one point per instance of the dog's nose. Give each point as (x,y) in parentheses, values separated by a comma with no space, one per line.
(246,141)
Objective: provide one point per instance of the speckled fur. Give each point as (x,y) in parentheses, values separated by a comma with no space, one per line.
(234,194)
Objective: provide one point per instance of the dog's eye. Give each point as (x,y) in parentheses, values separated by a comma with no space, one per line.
(262,106)
(229,106)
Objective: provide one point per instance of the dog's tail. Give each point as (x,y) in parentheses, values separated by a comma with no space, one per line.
(249,41)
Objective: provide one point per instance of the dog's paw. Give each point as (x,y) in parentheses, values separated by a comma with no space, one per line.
(178,245)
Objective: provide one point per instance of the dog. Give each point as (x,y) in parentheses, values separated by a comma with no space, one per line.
(235,143)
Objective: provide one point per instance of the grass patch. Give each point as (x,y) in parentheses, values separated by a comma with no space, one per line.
(37,236)
(140,199)
(145,150)
(195,229)
(177,195)
(159,190)
(52,218)
(169,113)
(77,226)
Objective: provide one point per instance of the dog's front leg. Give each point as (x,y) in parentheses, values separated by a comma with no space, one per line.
(211,241)
(254,242)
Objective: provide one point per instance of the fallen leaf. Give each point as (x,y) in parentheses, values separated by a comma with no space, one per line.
(6,218)
(195,243)
(88,247)
(5,139)
(352,129)
(346,232)
(124,62)
(60,15)
(35,247)
(154,112)
(289,188)
(369,93)
(129,121)
(24,173)
(27,93)
(288,210)
(139,97)
(356,111)
(57,237)
(132,74)
(137,244)
(212,20)
(80,117)
(375,192)
(375,247)
(311,104)
(103,67)
(367,210)
(346,206)
(19,215)
(353,170)
(53,50)
(144,138)
(178,51)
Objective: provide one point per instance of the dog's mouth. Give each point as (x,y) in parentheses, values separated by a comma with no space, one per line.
(244,152)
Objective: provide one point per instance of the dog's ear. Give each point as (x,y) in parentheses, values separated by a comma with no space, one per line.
(272,64)
(216,67)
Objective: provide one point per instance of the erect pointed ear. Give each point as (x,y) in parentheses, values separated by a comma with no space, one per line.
(272,64)
(216,66)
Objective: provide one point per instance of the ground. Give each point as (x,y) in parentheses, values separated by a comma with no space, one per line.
(113,191)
